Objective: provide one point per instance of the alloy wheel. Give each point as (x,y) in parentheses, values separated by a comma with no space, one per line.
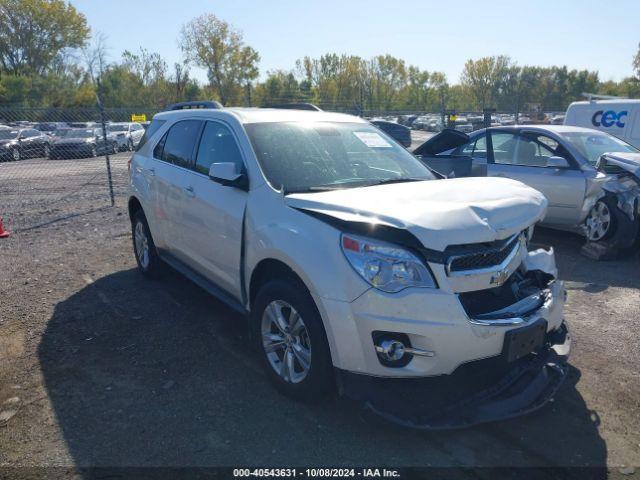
(286,341)
(142,245)
(598,222)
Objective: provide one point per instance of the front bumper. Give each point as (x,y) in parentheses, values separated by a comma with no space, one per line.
(478,392)
(433,320)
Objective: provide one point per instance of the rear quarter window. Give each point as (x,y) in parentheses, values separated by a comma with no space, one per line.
(154,126)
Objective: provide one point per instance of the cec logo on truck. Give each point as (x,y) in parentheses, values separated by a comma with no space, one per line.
(608,118)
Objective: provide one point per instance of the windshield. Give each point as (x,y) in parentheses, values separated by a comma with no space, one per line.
(593,144)
(8,134)
(118,128)
(316,156)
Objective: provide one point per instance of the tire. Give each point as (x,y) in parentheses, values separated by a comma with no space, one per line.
(130,145)
(601,222)
(16,155)
(94,151)
(46,151)
(306,342)
(150,265)
(114,149)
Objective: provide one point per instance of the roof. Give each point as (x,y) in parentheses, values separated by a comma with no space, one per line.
(261,115)
(608,101)
(544,127)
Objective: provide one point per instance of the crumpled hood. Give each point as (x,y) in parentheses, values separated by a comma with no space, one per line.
(438,212)
(626,160)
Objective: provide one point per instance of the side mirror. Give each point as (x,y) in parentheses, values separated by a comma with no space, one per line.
(228,174)
(557,162)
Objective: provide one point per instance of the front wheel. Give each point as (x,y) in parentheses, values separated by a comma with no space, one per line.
(46,151)
(291,340)
(600,222)
(16,154)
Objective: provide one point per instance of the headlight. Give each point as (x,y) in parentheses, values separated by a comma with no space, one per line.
(385,266)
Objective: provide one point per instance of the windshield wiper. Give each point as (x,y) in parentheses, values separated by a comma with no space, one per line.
(396,180)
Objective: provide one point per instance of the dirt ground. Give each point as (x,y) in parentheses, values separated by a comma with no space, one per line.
(100,367)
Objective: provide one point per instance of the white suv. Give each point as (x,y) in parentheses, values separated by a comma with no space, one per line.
(355,265)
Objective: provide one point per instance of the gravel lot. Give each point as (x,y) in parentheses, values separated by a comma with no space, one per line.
(99,367)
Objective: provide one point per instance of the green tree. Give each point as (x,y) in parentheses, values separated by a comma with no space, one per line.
(213,44)
(484,78)
(636,63)
(33,33)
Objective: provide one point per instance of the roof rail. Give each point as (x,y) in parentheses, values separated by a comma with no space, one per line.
(296,106)
(195,104)
(596,96)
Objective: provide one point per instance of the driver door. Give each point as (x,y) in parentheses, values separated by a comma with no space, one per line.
(523,156)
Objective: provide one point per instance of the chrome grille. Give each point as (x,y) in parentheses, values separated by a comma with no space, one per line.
(484,258)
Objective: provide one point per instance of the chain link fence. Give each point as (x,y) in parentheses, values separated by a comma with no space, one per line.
(60,163)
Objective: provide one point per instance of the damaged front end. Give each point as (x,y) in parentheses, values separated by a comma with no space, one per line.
(623,181)
(527,310)
(617,184)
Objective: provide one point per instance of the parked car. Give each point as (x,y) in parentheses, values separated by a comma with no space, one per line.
(50,127)
(353,263)
(81,142)
(398,132)
(19,143)
(620,118)
(126,134)
(591,178)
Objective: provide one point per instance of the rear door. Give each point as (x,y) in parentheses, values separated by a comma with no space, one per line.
(523,156)
(213,213)
(169,168)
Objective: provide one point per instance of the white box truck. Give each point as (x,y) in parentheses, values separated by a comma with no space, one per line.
(619,117)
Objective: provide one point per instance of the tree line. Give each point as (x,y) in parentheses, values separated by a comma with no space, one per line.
(48,59)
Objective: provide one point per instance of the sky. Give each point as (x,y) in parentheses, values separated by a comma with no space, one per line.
(433,35)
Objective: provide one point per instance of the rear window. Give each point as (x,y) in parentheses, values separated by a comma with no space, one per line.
(154,126)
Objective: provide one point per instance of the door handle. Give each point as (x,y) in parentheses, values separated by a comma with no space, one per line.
(189,190)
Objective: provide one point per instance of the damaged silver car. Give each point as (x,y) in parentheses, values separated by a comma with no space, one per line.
(590,178)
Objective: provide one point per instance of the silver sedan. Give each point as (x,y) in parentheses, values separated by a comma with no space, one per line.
(590,178)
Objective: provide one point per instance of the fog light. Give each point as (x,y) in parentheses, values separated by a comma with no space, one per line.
(394,349)
(390,350)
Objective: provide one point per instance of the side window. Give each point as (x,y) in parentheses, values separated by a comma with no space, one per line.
(154,126)
(526,150)
(180,141)
(157,151)
(217,145)
(504,147)
(475,149)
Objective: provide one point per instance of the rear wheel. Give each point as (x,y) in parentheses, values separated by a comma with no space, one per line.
(147,258)
(94,151)
(46,151)
(291,340)
(16,154)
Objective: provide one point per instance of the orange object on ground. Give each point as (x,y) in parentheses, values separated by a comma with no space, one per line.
(3,232)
